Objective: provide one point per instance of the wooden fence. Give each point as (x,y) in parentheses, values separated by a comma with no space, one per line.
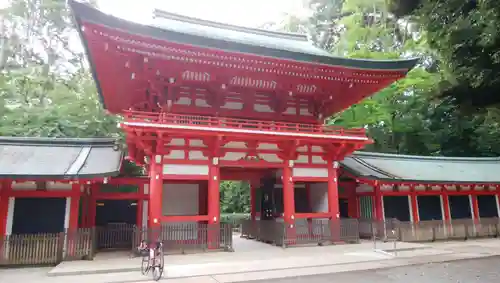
(46,248)
(304,232)
(428,231)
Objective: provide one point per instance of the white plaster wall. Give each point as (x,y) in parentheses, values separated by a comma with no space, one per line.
(310,172)
(233,156)
(362,188)
(302,158)
(319,197)
(180,199)
(182,169)
(51,186)
(269,157)
(23,186)
(318,160)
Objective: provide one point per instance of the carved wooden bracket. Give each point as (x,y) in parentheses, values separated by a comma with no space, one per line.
(214,146)
(288,150)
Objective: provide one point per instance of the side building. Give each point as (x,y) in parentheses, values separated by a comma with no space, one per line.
(418,188)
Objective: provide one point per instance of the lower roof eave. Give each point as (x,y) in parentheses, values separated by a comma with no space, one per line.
(390,181)
(85,177)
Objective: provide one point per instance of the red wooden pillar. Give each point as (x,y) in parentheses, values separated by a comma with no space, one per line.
(414,205)
(74,209)
(253,199)
(4,206)
(213,203)
(309,220)
(446,207)
(202,198)
(94,188)
(333,200)
(155,195)
(475,208)
(379,211)
(202,209)
(140,206)
(288,202)
(352,202)
(497,196)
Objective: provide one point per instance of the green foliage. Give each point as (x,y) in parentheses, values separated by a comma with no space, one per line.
(235,197)
(465,35)
(234,218)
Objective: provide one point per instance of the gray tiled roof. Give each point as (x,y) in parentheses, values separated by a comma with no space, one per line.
(430,169)
(58,158)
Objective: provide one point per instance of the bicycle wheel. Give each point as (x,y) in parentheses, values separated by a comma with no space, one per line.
(157,272)
(145,265)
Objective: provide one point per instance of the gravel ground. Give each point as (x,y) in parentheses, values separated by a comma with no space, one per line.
(484,270)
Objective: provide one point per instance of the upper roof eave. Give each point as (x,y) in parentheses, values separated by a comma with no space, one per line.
(83,12)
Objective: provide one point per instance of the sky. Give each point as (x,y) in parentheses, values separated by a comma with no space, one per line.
(249,13)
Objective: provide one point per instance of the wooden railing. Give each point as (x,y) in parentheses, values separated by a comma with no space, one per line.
(189,237)
(233,123)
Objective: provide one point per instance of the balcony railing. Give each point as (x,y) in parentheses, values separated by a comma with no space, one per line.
(241,124)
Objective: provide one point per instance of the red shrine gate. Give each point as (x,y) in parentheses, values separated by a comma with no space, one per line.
(199,98)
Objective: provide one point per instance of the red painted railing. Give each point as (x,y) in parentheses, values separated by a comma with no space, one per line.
(235,123)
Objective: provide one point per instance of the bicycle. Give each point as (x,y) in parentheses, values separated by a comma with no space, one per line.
(152,259)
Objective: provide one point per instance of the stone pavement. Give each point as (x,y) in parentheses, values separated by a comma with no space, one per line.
(264,262)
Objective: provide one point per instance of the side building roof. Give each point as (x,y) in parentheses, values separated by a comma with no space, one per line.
(425,169)
(58,158)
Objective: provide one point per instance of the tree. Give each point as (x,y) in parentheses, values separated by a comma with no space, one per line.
(45,87)
(235,197)
(465,35)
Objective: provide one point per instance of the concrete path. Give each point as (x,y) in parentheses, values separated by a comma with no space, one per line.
(260,264)
(483,270)
(266,258)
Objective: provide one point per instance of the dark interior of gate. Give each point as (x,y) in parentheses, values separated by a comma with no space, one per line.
(115,219)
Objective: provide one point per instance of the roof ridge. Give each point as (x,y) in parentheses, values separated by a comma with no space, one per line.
(158,13)
(375,168)
(421,157)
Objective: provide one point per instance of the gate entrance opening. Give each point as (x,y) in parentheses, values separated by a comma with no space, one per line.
(115,221)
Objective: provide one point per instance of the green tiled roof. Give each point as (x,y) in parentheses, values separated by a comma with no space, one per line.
(432,169)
